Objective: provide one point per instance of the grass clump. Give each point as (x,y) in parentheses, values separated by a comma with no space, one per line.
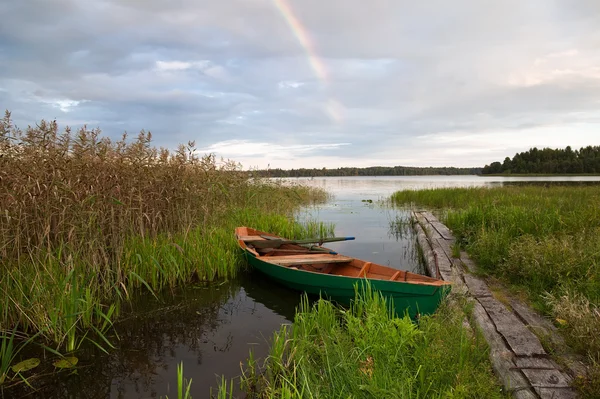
(366,352)
(84,220)
(542,240)
(579,318)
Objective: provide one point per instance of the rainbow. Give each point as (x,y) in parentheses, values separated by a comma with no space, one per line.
(333,107)
(301,35)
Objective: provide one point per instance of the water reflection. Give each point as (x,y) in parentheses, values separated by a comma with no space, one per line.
(210,329)
(355,187)
(278,299)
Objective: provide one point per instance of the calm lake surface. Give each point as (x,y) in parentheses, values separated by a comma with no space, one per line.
(211,329)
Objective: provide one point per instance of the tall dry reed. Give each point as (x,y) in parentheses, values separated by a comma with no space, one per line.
(84,218)
(84,193)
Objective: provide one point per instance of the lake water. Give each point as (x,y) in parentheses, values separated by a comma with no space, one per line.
(211,329)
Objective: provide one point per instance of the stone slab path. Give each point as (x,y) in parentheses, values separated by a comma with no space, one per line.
(517,355)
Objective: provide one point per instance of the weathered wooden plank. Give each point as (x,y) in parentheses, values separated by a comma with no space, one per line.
(556,393)
(443,230)
(501,357)
(423,241)
(459,285)
(429,216)
(443,263)
(444,268)
(429,230)
(533,319)
(477,287)
(547,378)
(530,316)
(427,252)
(421,219)
(535,363)
(444,245)
(452,268)
(522,341)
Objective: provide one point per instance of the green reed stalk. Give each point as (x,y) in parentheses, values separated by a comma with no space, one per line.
(330,352)
(183,384)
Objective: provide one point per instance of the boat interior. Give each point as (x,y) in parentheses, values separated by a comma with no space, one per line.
(318,259)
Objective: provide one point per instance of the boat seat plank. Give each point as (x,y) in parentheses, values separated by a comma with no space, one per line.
(251,238)
(308,259)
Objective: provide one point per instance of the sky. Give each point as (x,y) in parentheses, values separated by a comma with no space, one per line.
(312,83)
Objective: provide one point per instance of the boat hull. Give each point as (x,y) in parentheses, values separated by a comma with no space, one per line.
(414,299)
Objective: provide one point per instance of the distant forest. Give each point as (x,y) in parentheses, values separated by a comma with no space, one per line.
(370,171)
(550,161)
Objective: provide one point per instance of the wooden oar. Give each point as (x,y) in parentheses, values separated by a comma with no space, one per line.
(272,242)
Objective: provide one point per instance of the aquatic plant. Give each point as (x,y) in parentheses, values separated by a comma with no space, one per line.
(365,351)
(11,343)
(183,384)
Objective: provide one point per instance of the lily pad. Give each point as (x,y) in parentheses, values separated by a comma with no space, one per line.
(66,363)
(26,365)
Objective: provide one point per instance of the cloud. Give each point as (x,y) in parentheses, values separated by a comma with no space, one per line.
(462,83)
(205,66)
(164,66)
(247,148)
(289,84)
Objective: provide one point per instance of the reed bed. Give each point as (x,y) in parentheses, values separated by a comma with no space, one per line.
(85,220)
(542,240)
(366,351)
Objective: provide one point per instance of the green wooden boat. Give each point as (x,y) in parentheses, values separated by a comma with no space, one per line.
(320,271)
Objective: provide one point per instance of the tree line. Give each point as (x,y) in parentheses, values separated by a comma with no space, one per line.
(369,171)
(549,161)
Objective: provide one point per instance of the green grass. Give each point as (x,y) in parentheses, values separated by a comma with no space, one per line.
(541,240)
(365,352)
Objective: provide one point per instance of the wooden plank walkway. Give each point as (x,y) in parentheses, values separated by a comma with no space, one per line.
(517,355)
